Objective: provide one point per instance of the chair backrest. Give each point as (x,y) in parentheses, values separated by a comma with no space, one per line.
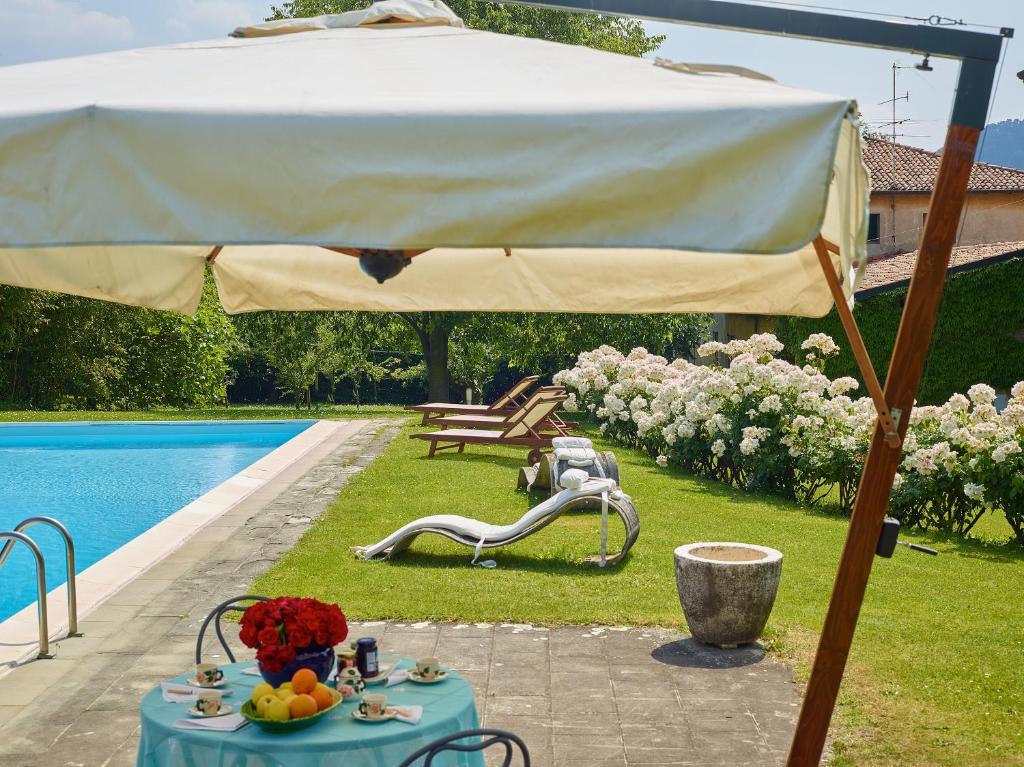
(535,414)
(543,393)
(511,397)
(482,739)
(230,605)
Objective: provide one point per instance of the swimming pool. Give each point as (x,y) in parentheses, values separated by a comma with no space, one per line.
(109,482)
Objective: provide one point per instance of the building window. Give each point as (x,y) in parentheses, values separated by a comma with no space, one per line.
(874,226)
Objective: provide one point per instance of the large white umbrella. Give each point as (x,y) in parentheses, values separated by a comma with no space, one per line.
(537,176)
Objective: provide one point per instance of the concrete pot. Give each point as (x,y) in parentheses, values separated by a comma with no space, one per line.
(727,590)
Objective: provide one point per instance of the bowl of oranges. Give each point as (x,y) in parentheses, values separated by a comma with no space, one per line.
(293,706)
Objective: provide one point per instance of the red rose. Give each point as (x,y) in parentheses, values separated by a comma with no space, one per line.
(299,637)
(269,636)
(309,619)
(249,635)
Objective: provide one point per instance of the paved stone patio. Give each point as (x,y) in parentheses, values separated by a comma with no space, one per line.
(576,695)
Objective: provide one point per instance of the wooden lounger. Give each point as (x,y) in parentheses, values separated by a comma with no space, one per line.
(530,431)
(503,405)
(487,421)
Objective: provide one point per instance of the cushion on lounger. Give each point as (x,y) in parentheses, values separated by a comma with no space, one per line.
(573,479)
(559,442)
(576,456)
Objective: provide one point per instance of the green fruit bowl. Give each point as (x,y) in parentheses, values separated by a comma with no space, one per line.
(292,725)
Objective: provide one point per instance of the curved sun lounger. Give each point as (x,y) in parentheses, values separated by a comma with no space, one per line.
(482,535)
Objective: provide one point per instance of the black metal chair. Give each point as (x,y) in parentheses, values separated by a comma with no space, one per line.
(231,605)
(483,739)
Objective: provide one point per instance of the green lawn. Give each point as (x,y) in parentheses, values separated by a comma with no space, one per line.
(937,671)
(233,413)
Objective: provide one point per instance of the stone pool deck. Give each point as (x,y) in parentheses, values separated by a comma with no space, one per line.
(577,695)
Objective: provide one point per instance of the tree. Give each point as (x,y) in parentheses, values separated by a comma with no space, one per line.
(350,340)
(59,350)
(609,33)
(298,345)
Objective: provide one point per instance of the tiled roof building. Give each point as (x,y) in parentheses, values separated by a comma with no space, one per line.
(901,183)
(902,168)
(891,272)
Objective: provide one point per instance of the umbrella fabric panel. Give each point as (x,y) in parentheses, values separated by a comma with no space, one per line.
(157,277)
(605,281)
(408,137)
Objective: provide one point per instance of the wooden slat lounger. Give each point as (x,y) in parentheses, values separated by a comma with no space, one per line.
(528,431)
(487,421)
(503,405)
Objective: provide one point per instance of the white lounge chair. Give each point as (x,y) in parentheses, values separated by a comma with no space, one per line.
(482,535)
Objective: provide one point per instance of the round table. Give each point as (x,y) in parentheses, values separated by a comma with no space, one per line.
(339,739)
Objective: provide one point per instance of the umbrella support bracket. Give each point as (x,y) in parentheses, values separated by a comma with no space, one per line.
(888,417)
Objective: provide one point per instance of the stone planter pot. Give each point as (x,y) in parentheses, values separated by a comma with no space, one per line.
(727,590)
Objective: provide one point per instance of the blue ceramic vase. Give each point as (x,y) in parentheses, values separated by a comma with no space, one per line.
(320,662)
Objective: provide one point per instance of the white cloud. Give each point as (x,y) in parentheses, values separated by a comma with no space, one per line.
(53,20)
(38,29)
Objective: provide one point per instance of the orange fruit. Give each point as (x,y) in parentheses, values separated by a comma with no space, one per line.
(323,697)
(302,705)
(304,681)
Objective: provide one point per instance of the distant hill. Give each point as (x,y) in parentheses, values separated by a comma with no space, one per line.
(1003,144)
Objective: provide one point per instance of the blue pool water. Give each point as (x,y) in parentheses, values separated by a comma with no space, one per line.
(109,482)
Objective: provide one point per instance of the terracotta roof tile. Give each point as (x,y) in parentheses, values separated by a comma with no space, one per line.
(902,168)
(892,270)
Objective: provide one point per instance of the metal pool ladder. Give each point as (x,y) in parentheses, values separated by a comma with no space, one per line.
(17,534)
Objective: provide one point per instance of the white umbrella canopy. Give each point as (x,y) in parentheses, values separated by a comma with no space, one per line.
(536,176)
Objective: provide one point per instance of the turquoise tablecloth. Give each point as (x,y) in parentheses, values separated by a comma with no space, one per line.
(337,741)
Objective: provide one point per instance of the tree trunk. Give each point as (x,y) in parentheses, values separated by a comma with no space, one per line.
(435,352)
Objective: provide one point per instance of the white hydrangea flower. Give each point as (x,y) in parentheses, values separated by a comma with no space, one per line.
(981,394)
(973,491)
(661,460)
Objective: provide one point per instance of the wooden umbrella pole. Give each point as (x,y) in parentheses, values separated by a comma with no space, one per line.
(905,368)
(860,352)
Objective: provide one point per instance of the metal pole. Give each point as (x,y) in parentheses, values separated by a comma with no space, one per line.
(44,629)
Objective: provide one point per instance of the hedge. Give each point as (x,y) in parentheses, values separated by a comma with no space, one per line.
(979,334)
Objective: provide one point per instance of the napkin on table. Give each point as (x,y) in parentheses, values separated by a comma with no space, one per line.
(180,692)
(397,677)
(226,723)
(408,714)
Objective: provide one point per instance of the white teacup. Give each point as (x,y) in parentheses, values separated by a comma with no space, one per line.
(428,668)
(373,706)
(208,702)
(207,674)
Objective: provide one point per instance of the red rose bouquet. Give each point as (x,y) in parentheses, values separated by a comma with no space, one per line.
(279,629)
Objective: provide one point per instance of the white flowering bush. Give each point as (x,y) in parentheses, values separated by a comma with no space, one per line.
(766,424)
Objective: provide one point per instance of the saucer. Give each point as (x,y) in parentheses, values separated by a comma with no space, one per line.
(389,714)
(224,709)
(384,670)
(414,676)
(193,682)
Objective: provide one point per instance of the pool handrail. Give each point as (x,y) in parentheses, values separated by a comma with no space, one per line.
(44,633)
(69,550)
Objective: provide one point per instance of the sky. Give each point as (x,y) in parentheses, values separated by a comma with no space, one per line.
(40,29)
